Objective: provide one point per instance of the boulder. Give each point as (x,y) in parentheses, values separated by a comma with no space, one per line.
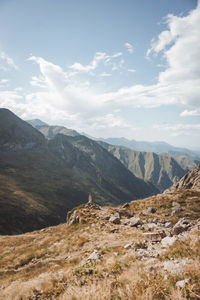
(134,221)
(181,226)
(168,241)
(154,236)
(115,219)
(181,283)
(149,210)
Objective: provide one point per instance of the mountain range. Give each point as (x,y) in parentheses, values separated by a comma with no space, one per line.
(41,179)
(161,169)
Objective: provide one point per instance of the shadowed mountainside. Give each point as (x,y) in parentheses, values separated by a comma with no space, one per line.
(42,179)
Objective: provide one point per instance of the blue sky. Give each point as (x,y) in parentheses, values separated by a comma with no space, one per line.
(110,68)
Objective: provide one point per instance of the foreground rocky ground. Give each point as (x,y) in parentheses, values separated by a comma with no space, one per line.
(147,249)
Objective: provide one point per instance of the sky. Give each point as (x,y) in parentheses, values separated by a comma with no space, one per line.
(109,68)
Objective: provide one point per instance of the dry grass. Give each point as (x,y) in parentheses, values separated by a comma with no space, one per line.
(52,263)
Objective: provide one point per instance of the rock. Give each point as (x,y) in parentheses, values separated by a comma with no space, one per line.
(125,221)
(72,217)
(182,283)
(135,221)
(126,205)
(149,210)
(168,224)
(154,236)
(113,230)
(168,241)
(150,226)
(115,219)
(181,226)
(96,256)
(128,245)
(176,204)
(175,210)
(124,213)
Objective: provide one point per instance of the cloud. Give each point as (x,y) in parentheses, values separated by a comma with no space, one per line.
(179,129)
(129,48)
(7,62)
(99,57)
(190,113)
(105,74)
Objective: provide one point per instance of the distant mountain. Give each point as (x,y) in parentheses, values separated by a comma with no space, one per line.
(40,179)
(51,131)
(156,147)
(160,170)
(36,122)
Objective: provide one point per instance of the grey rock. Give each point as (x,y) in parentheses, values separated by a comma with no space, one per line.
(181,226)
(154,236)
(168,241)
(149,210)
(135,221)
(96,256)
(128,245)
(115,219)
(182,283)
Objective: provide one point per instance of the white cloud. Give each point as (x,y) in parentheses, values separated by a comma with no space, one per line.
(131,70)
(190,113)
(176,130)
(6,62)
(99,57)
(129,48)
(105,74)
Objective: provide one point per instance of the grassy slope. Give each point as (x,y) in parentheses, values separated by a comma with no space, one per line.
(48,263)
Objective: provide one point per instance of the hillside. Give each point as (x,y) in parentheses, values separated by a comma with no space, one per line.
(147,249)
(42,179)
(51,131)
(161,170)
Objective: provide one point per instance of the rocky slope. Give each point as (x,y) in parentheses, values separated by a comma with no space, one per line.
(161,170)
(141,250)
(42,179)
(190,181)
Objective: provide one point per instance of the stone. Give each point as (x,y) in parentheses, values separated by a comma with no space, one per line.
(168,241)
(135,221)
(128,245)
(115,219)
(149,210)
(175,210)
(154,236)
(125,205)
(113,230)
(72,217)
(176,204)
(181,226)
(168,224)
(125,221)
(182,283)
(124,213)
(96,256)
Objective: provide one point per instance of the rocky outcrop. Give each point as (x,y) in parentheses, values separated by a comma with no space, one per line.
(191,181)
